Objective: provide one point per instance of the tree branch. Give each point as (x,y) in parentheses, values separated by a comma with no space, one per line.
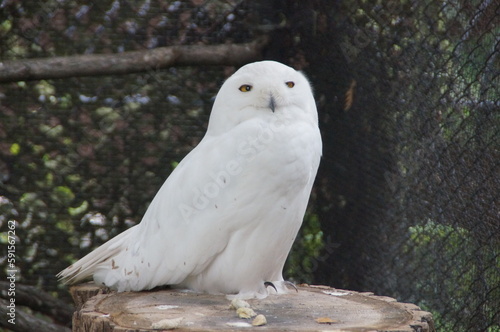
(130,62)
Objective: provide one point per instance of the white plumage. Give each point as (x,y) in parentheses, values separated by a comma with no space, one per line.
(225,219)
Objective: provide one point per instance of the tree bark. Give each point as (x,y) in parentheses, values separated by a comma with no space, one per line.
(312,308)
(130,62)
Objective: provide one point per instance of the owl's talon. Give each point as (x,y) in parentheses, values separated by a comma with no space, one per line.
(268,283)
(289,283)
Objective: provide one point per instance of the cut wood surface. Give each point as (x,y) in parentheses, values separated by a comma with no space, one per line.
(312,308)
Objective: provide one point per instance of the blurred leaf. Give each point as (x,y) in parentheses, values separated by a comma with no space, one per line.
(66,226)
(79,210)
(30,201)
(5,27)
(44,88)
(52,131)
(63,195)
(15,149)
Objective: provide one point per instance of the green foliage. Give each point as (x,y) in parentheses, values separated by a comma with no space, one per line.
(79,210)
(81,159)
(62,195)
(15,149)
(425,235)
(303,259)
(75,158)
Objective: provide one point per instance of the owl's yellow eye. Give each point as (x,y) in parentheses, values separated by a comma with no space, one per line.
(290,84)
(245,88)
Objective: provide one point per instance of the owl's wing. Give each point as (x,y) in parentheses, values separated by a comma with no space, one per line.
(189,221)
(180,232)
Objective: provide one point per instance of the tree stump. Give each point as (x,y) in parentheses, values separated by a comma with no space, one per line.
(311,308)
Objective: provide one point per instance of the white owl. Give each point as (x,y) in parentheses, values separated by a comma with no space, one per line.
(225,220)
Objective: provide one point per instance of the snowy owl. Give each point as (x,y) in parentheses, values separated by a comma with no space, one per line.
(225,219)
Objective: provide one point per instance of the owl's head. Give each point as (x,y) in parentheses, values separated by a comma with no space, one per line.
(266,89)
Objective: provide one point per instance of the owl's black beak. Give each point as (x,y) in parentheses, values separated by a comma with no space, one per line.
(272,103)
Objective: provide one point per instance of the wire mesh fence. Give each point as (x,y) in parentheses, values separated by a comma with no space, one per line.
(406,203)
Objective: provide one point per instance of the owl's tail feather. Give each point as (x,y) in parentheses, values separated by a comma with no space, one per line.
(87,266)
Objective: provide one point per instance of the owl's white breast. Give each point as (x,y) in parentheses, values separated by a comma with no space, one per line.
(263,205)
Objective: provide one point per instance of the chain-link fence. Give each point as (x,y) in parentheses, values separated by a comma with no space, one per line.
(426,137)
(406,203)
